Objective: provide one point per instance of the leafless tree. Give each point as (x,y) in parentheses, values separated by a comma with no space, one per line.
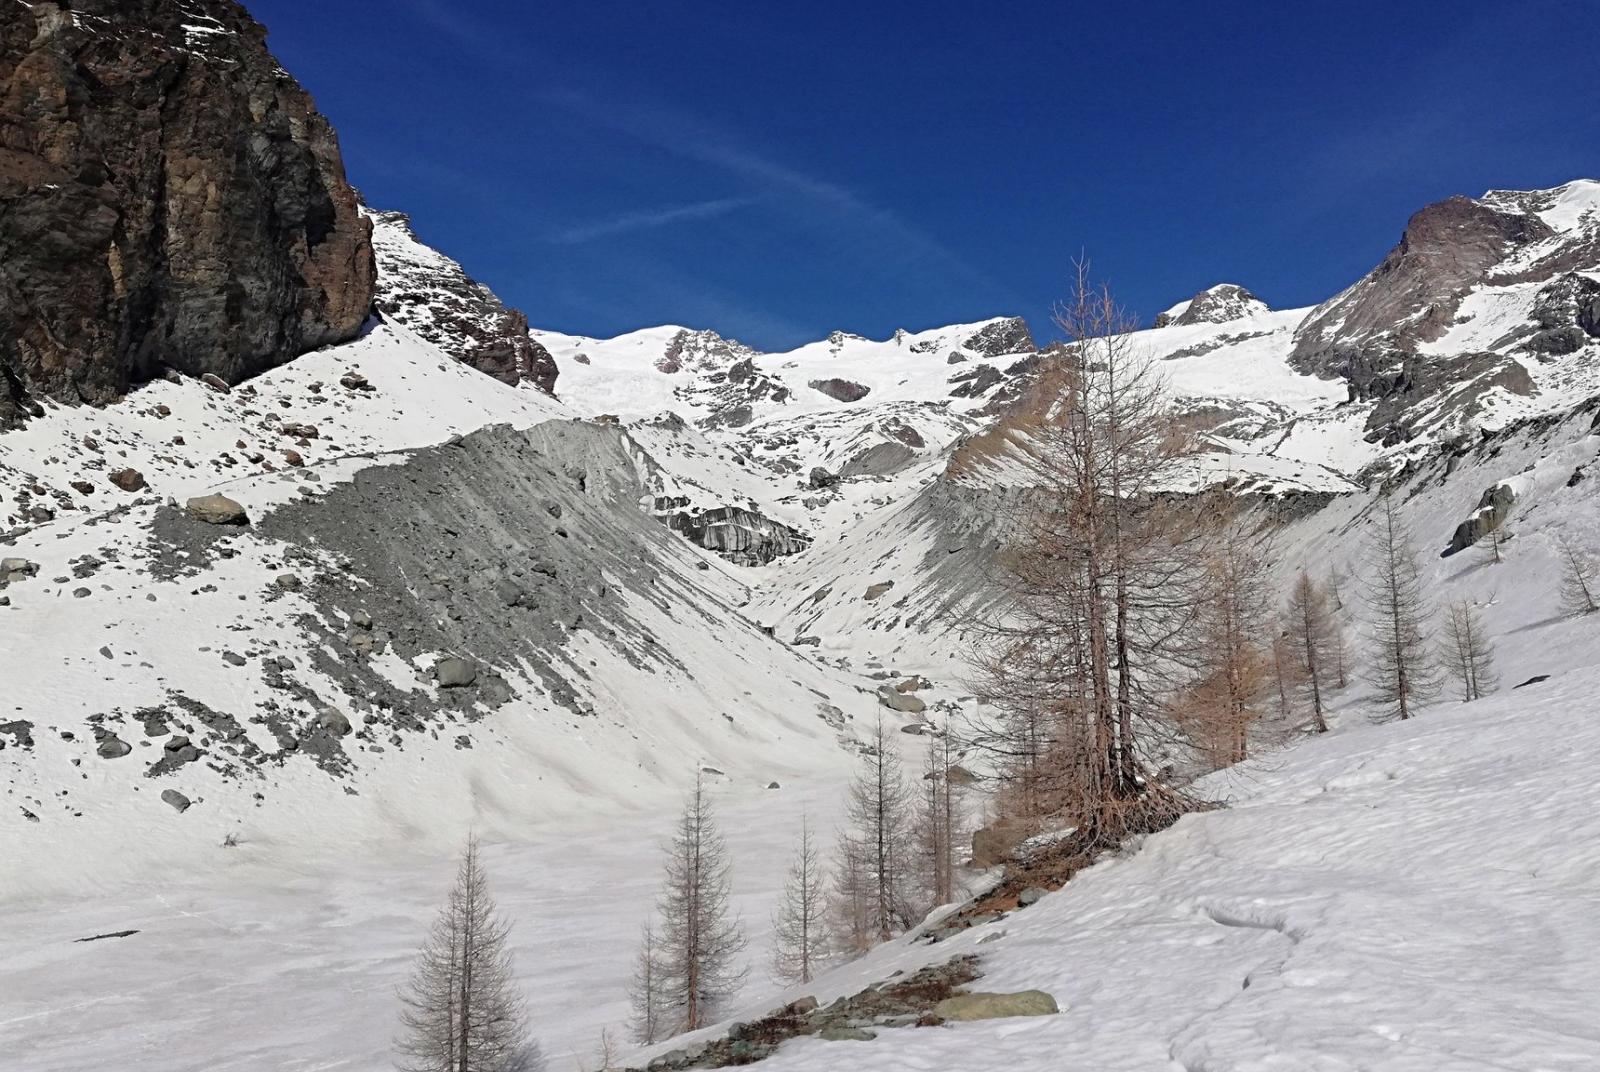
(1337,580)
(699,935)
(1312,630)
(1578,584)
(1221,706)
(938,823)
(1102,580)
(1492,543)
(1400,667)
(851,898)
(1468,652)
(645,991)
(800,926)
(877,845)
(462,1010)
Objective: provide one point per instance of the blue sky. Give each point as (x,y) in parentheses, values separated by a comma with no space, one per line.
(777,171)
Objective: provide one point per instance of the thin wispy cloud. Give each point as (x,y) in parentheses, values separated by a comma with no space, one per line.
(652,219)
(874,233)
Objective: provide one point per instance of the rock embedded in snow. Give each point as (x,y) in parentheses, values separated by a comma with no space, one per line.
(177,800)
(128,479)
(454,672)
(899,701)
(821,478)
(841,390)
(113,747)
(335,723)
(875,590)
(217,509)
(981,1006)
(1030,896)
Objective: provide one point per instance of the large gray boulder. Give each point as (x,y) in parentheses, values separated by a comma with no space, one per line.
(996,1006)
(454,672)
(113,747)
(176,799)
(903,702)
(217,510)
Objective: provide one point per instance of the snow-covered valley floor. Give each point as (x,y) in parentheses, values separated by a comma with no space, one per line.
(1410,897)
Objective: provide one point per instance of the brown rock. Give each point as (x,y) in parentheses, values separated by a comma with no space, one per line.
(293,458)
(128,479)
(172,198)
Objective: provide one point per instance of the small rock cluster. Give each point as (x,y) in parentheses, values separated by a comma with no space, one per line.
(931,996)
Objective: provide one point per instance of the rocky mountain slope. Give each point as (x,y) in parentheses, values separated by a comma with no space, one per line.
(427,292)
(172,199)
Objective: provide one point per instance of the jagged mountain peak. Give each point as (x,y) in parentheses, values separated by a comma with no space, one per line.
(429,293)
(1218,304)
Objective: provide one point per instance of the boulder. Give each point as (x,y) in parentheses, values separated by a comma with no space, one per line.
(821,478)
(217,510)
(995,843)
(113,747)
(453,672)
(876,590)
(1030,896)
(842,1033)
(900,701)
(16,569)
(128,479)
(176,799)
(841,390)
(335,723)
(980,1006)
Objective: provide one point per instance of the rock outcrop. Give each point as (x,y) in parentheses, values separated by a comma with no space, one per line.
(1220,304)
(426,292)
(1412,296)
(744,537)
(172,199)
(1002,337)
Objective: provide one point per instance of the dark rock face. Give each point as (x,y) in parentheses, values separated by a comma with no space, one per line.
(1009,336)
(1413,295)
(426,292)
(1220,304)
(1494,506)
(744,537)
(171,198)
(841,390)
(1567,311)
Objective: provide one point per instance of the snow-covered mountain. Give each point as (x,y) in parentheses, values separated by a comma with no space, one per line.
(465,575)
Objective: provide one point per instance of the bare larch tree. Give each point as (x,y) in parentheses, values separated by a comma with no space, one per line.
(1312,630)
(1400,666)
(800,931)
(938,822)
(699,936)
(1235,659)
(878,811)
(1578,583)
(1103,579)
(462,1010)
(645,998)
(1468,653)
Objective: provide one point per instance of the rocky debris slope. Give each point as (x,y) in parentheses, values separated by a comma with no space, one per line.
(172,199)
(431,295)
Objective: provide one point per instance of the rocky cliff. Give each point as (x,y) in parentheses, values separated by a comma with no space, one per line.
(169,198)
(428,293)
